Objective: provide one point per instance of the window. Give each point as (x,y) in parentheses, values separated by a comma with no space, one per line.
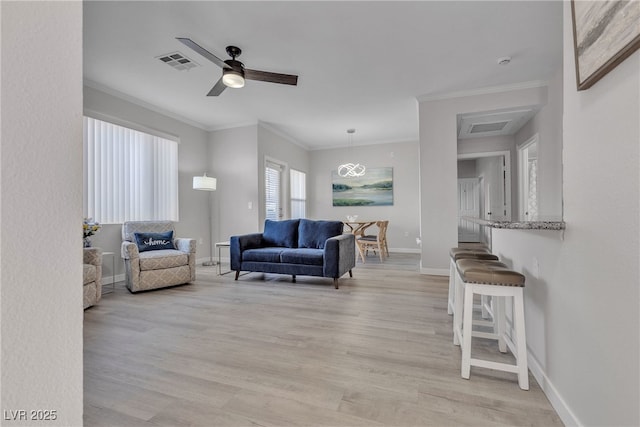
(298,194)
(128,175)
(273,193)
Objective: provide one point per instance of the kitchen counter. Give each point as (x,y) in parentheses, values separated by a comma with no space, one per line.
(519,225)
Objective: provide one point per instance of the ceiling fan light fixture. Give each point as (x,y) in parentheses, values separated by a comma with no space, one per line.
(232,78)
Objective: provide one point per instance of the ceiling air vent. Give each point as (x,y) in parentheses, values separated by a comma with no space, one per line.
(487,127)
(178,61)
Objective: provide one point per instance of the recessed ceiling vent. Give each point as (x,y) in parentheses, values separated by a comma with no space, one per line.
(178,61)
(487,127)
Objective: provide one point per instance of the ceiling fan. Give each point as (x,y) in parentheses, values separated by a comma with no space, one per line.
(233,71)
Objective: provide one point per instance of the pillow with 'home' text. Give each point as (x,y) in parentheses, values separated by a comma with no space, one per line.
(154,241)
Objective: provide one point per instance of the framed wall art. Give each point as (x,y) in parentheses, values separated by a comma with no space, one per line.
(605,33)
(375,188)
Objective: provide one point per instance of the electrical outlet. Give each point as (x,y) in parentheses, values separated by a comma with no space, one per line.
(201,241)
(536,268)
(406,234)
(250,205)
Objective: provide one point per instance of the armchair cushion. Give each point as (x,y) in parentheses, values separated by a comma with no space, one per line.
(314,234)
(165,258)
(154,241)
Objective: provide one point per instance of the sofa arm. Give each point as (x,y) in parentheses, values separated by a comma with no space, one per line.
(185,245)
(238,244)
(129,250)
(339,255)
(92,256)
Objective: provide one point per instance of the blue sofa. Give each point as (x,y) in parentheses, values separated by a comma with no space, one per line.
(296,247)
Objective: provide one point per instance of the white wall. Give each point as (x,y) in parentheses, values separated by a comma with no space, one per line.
(41,210)
(403,216)
(582,309)
(547,124)
(467,169)
(233,156)
(192,161)
(275,147)
(438,157)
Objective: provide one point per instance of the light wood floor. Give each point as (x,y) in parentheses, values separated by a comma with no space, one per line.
(263,351)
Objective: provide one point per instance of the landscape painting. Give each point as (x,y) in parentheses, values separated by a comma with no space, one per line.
(375,188)
(605,33)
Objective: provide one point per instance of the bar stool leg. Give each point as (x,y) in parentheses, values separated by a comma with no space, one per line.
(500,322)
(521,342)
(467,331)
(457,312)
(484,301)
(452,279)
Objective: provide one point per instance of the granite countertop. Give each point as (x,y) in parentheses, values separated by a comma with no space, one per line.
(519,225)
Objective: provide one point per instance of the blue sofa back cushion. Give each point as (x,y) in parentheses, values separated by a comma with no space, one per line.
(313,234)
(281,233)
(154,241)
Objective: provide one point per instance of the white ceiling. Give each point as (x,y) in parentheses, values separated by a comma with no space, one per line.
(360,64)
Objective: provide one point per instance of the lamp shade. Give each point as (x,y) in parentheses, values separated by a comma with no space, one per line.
(204,183)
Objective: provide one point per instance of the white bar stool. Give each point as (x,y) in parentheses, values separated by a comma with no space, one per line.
(464,253)
(496,280)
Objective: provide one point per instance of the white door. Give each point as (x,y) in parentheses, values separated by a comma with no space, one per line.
(468,205)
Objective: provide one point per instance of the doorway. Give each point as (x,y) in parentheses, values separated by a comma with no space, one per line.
(468,206)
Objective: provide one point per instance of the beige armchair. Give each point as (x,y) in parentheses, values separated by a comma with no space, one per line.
(92,276)
(156,268)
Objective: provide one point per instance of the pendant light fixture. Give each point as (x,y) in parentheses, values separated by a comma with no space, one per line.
(351,170)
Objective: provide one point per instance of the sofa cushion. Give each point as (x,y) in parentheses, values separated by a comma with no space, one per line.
(88,273)
(313,234)
(154,241)
(281,233)
(304,256)
(160,259)
(262,255)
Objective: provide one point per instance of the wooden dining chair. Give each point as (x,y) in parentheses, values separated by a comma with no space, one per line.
(375,242)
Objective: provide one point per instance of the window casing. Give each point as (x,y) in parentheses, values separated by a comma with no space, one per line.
(128,175)
(298,183)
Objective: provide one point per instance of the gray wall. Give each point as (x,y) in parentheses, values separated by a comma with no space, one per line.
(278,148)
(41,211)
(403,216)
(233,159)
(467,169)
(192,161)
(547,124)
(582,307)
(438,158)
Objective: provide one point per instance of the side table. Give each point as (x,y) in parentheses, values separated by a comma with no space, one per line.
(219,247)
(113,272)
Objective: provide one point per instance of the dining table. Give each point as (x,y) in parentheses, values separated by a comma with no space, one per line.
(357,228)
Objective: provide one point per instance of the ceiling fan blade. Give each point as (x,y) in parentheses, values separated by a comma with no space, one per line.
(217,89)
(265,76)
(202,51)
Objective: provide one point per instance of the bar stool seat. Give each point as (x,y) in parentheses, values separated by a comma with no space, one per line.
(495,279)
(465,253)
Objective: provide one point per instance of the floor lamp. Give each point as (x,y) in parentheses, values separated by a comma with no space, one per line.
(205,183)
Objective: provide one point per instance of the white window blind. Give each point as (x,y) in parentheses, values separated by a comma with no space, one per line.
(298,182)
(128,175)
(272,178)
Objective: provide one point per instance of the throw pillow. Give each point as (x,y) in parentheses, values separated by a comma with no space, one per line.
(313,234)
(281,233)
(154,241)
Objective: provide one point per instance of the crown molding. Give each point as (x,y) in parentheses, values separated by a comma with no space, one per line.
(363,144)
(113,92)
(233,126)
(282,134)
(483,91)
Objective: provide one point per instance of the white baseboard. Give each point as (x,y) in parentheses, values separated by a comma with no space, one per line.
(564,412)
(435,271)
(108,280)
(405,250)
